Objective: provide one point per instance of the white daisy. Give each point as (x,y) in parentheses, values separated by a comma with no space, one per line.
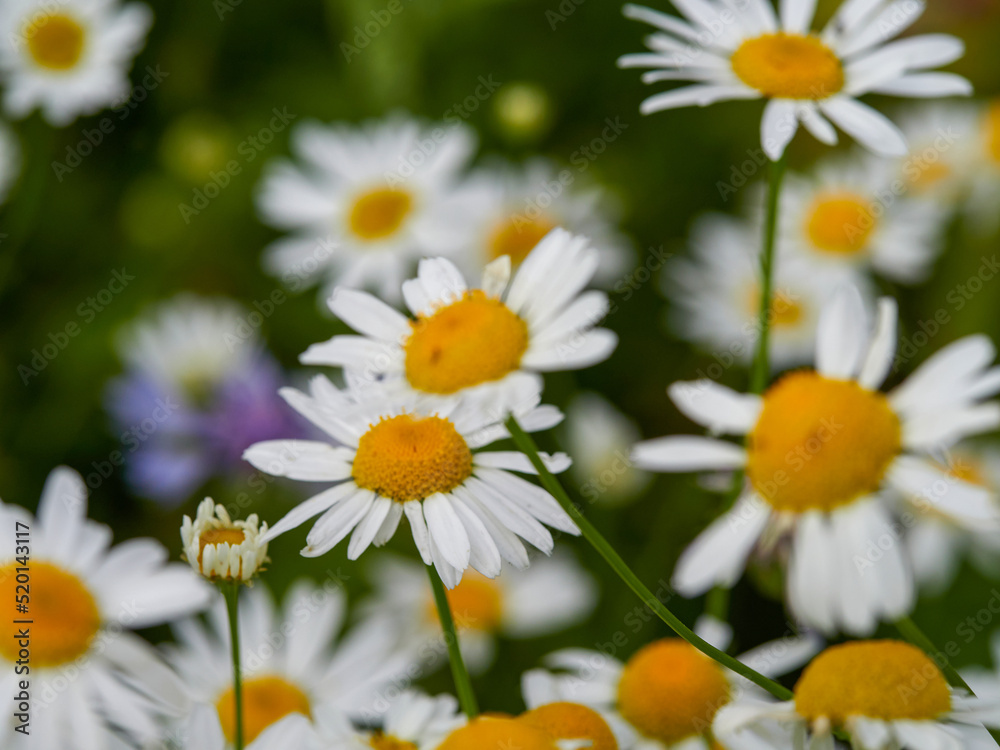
(716,296)
(823,448)
(985,683)
(290,662)
(499,732)
(885,694)
(743,50)
(10,160)
(203,731)
(552,595)
(485,343)
(219,548)
(413,721)
(68,58)
(91,679)
(383,193)
(846,214)
(667,693)
(397,455)
(564,720)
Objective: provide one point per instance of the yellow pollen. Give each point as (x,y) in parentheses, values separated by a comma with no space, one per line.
(476,603)
(65,617)
(381,741)
(571,721)
(474,340)
(518,236)
(820,444)
(496,733)
(789,66)
(55,40)
(266,700)
(670,691)
(232,537)
(993,132)
(409,458)
(380,213)
(888,680)
(841,224)
(785,311)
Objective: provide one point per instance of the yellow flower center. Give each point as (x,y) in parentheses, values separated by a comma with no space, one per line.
(64,614)
(840,224)
(232,537)
(55,40)
(380,213)
(968,470)
(474,340)
(266,700)
(670,691)
(496,733)
(517,236)
(785,311)
(887,680)
(993,132)
(931,175)
(819,443)
(789,66)
(409,458)
(571,721)
(476,603)
(381,741)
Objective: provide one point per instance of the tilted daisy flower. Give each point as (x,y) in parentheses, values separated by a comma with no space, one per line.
(745,51)
(552,595)
(823,449)
(413,721)
(92,681)
(291,663)
(397,455)
(848,214)
(221,549)
(10,161)
(204,732)
(885,694)
(484,343)
(69,58)
(715,293)
(364,202)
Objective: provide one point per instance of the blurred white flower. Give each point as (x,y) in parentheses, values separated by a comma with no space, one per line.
(413,721)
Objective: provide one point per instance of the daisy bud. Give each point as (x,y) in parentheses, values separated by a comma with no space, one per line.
(221,549)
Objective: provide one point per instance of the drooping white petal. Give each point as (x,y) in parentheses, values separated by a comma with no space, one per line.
(878,360)
(842,337)
(778,126)
(720,409)
(681,453)
(867,126)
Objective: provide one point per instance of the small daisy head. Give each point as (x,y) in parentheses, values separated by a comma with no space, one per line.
(572,721)
(498,733)
(221,549)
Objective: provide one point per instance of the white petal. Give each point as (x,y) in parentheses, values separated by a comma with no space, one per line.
(842,337)
(970,504)
(818,125)
(369,315)
(364,532)
(778,127)
(797,15)
(701,95)
(879,359)
(308,509)
(927,85)
(720,409)
(334,525)
(306,460)
(867,126)
(811,578)
(681,453)
(447,531)
(418,527)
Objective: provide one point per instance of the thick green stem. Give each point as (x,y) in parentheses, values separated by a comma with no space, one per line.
(463,684)
(527,446)
(231,590)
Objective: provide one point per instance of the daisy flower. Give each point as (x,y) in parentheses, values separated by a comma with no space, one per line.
(847,215)
(219,548)
(69,58)
(886,694)
(552,595)
(204,732)
(397,455)
(823,449)
(745,51)
(383,193)
(413,721)
(715,293)
(290,662)
(489,732)
(91,679)
(487,343)
(667,693)
(985,683)
(10,161)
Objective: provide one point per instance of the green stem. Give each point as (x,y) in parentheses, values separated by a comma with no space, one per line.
(761,361)
(527,446)
(232,593)
(463,684)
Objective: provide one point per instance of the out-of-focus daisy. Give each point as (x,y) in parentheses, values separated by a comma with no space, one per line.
(199,388)
(553,594)
(823,448)
(397,455)
(68,58)
(203,731)
(571,722)
(10,160)
(219,548)
(599,439)
(485,343)
(716,295)
(521,204)
(846,214)
(667,693)
(365,202)
(413,721)
(490,732)
(289,660)
(91,679)
(746,51)
(886,694)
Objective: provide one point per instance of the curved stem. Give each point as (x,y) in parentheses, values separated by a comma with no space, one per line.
(232,593)
(463,684)
(527,446)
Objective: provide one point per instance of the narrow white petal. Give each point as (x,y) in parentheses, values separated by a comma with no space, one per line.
(309,509)
(369,315)
(797,15)
(720,409)
(681,453)
(867,126)
(306,460)
(933,489)
(701,95)
(842,338)
(778,127)
(446,529)
(927,86)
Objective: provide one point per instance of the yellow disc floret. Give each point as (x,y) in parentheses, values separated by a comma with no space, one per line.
(380,213)
(266,700)
(888,680)
(670,691)
(571,721)
(993,132)
(840,224)
(517,236)
(409,457)
(474,340)
(381,741)
(496,733)
(64,614)
(55,41)
(820,443)
(789,66)
(476,603)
